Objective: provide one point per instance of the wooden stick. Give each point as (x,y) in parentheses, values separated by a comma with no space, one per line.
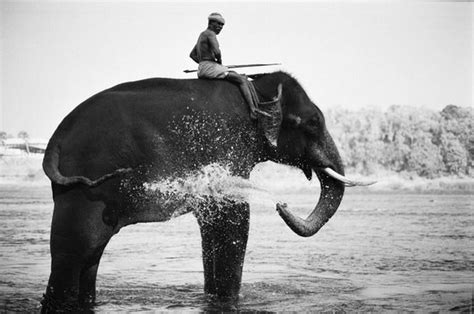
(235,66)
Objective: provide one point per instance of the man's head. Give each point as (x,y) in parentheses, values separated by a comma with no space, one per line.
(216,22)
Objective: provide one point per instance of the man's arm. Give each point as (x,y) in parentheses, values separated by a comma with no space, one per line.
(214,47)
(194,55)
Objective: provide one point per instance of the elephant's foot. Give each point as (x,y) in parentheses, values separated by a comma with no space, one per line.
(56,304)
(65,302)
(216,304)
(63,287)
(72,283)
(224,231)
(66,297)
(87,291)
(65,294)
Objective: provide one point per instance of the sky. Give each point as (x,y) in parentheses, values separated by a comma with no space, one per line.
(354,54)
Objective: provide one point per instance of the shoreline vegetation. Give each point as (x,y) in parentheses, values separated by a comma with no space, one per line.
(403,148)
(402,139)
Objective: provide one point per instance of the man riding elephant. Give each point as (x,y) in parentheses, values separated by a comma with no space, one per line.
(207,54)
(106,151)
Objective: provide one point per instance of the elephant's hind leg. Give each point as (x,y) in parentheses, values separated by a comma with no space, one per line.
(224,232)
(88,276)
(78,238)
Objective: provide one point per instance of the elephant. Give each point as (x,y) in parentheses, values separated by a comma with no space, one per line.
(104,152)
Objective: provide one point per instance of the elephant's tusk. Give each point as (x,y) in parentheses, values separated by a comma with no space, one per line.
(346,181)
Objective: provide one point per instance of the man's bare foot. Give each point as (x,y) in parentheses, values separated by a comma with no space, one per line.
(263,113)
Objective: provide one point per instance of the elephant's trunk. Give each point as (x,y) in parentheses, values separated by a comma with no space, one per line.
(332,191)
(329,200)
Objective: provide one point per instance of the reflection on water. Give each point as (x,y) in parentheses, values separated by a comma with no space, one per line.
(379,252)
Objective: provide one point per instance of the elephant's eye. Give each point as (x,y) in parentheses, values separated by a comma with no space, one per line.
(313,125)
(317,120)
(313,121)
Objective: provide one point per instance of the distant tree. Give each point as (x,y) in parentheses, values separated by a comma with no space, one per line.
(23,135)
(403,138)
(455,155)
(470,150)
(456,139)
(425,158)
(452,112)
(409,141)
(3,135)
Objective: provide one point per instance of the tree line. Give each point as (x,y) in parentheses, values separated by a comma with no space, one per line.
(22,134)
(405,139)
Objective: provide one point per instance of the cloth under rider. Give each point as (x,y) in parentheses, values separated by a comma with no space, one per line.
(207,54)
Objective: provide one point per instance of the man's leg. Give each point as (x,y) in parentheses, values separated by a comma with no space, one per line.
(241,81)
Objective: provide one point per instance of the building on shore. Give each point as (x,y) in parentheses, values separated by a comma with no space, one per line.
(20,146)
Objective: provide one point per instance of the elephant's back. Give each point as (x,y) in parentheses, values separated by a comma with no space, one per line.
(163,86)
(154,84)
(122,126)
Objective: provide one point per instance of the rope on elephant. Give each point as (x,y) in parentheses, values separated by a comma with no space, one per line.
(270,124)
(255,98)
(254,94)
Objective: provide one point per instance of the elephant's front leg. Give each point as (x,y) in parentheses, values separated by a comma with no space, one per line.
(224,231)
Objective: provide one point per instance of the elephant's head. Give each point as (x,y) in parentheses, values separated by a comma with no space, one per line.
(297,132)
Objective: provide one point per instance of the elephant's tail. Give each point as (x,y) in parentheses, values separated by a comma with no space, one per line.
(51,168)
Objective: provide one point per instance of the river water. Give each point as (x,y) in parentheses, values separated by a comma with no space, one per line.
(381,251)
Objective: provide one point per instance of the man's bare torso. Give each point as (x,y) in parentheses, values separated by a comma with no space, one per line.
(207,48)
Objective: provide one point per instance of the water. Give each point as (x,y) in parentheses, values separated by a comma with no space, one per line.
(379,252)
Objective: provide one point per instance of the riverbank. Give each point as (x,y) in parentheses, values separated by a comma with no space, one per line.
(27,169)
(18,169)
(395,182)
(278,176)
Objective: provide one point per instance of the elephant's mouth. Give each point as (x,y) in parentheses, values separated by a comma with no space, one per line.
(332,191)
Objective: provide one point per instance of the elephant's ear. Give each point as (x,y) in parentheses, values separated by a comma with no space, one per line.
(271,124)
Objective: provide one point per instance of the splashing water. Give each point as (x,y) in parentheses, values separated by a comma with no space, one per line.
(212,182)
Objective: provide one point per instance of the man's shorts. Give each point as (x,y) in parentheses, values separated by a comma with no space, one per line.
(212,70)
